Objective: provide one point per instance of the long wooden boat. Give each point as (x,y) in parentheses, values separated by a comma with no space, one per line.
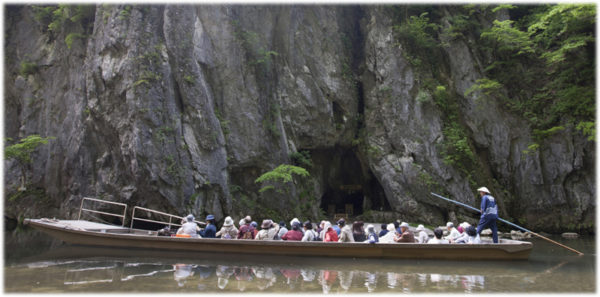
(82,232)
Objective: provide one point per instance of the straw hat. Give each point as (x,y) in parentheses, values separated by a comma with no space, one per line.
(228,222)
(483,189)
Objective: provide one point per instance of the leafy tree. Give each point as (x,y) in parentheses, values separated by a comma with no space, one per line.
(281,175)
(21,152)
(545,61)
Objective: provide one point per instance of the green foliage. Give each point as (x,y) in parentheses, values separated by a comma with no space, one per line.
(588,129)
(71,37)
(22,151)
(544,61)
(418,32)
(28,68)
(302,158)
(189,79)
(281,175)
(509,39)
(488,86)
(125,13)
(457,150)
(423,96)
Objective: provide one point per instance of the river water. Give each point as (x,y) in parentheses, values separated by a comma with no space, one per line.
(36,263)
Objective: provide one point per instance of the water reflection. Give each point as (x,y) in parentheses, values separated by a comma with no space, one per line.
(256,278)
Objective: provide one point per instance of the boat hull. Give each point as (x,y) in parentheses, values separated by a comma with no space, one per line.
(138,239)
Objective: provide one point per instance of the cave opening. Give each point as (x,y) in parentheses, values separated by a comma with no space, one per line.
(349,186)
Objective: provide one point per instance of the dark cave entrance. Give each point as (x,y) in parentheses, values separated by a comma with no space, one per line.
(350,188)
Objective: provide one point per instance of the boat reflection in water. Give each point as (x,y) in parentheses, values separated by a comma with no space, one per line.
(255,278)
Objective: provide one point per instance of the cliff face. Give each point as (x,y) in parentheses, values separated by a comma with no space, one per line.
(180,108)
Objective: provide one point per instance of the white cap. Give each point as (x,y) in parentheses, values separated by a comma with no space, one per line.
(420,228)
(391,228)
(465,225)
(483,189)
(404,224)
(369,227)
(449,224)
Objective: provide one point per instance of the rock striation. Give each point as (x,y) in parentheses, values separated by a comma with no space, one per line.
(181,107)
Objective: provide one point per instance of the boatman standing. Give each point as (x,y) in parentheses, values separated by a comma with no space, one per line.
(489,213)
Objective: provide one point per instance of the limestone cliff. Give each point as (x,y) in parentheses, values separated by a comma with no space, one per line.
(181,107)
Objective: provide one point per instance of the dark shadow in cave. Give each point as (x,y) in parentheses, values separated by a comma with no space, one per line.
(350,186)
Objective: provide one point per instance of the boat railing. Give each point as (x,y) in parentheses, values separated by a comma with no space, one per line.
(81,209)
(169,223)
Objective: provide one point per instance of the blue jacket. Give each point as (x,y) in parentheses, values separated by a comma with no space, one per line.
(209,232)
(373,238)
(337,229)
(489,207)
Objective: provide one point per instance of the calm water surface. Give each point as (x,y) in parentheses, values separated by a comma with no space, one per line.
(35,263)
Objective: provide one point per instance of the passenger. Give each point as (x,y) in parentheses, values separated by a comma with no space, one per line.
(358,232)
(330,234)
(337,229)
(346,232)
(463,235)
(246,230)
(437,237)
(276,228)
(397,226)
(452,232)
(383,231)
(210,230)
(422,237)
(321,230)
(255,225)
(473,236)
(371,235)
(389,236)
(294,234)
(282,230)
(267,232)
(295,220)
(309,233)
(406,235)
(189,227)
(228,231)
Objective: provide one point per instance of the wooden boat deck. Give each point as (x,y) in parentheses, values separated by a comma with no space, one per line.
(82,225)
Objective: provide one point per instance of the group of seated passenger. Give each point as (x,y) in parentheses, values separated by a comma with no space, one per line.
(326,231)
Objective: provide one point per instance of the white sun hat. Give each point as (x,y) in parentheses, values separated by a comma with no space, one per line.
(483,189)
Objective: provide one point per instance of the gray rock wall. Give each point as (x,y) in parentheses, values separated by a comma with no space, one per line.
(181,107)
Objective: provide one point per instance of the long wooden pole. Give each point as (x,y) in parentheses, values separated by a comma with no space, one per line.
(509,223)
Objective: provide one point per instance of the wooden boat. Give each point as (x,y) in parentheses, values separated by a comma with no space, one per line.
(96,234)
(82,232)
